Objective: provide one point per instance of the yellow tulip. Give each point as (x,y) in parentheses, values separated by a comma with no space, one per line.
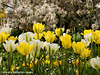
(56,64)
(96,36)
(77,72)
(76,62)
(36,62)
(38,36)
(47,61)
(3,37)
(66,41)
(12,69)
(31,65)
(78,47)
(38,27)
(31,62)
(86,53)
(17,68)
(88,35)
(87,32)
(27,63)
(23,64)
(12,38)
(49,36)
(59,31)
(24,48)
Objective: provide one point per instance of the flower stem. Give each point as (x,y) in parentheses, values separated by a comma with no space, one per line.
(92,48)
(49,58)
(34,64)
(2,60)
(79,66)
(98,73)
(98,49)
(9,63)
(25,65)
(83,67)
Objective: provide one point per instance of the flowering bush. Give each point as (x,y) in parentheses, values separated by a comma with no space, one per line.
(52,13)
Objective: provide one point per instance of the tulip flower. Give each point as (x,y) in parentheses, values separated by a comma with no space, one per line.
(56,64)
(23,64)
(59,31)
(36,62)
(47,61)
(3,37)
(36,49)
(7,30)
(24,48)
(26,37)
(37,45)
(38,36)
(86,53)
(96,36)
(49,36)
(12,69)
(10,45)
(85,42)
(12,38)
(76,62)
(95,63)
(51,48)
(66,41)
(31,65)
(88,37)
(77,72)
(78,47)
(87,32)
(38,28)
(17,68)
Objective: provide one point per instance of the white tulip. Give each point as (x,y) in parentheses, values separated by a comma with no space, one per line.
(0,60)
(6,30)
(51,48)
(45,45)
(32,55)
(26,37)
(88,38)
(9,46)
(37,46)
(95,62)
(85,42)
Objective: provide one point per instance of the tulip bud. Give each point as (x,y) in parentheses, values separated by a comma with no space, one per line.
(78,37)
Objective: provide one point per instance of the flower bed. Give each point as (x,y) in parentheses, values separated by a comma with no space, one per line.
(36,53)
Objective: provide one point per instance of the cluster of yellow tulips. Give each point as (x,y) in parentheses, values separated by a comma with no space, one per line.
(44,55)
